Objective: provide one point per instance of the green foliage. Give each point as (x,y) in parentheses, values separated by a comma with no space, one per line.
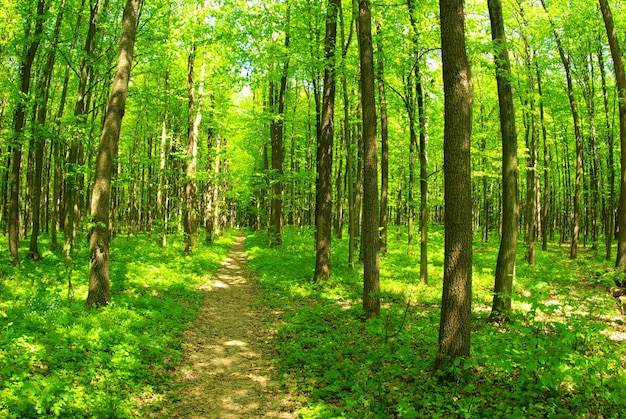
(554,358)
(59,359)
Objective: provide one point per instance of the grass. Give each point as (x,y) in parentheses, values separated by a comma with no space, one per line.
(558,357)
(58,359)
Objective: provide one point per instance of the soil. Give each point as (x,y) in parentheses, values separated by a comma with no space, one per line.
(227,371)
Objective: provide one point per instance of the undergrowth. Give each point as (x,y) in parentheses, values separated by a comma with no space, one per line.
(59,359)
(561,355)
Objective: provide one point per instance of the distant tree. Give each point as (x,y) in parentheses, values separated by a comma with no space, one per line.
(505,267)
(456,300)
(370,239)
(100,235)
(323,208)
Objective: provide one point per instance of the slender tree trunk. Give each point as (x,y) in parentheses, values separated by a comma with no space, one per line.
(160,198)
(384,136)
(276,221)
(422,118)
(40,139)
(456,300)
(190,223)
(505,266)
(348,144)
(546,183)
(80,113)
(100,237)
(620,76)
(371,238)
(19,122)
(323,208)
(608,207)
(579,142)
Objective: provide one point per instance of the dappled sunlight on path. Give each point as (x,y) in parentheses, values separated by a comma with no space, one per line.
(227,370)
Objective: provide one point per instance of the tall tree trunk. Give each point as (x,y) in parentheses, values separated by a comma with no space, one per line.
(546,183)
(276,220)
(160,198)
(100,236)
(323,207)
(80,113)
(456,300)
(191,187)
(19,122)
(422,119)
(370,240)
(350,189)
(579,141)
(40,138)
(620,77)
(384,136)
(608,202)
(505,266)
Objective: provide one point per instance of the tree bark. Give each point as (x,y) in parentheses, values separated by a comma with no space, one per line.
(80,113)
(505,266)
(370,239)
(456,301)
(384,137)
(620,77)
(100,236)
(323,208)
(19,122)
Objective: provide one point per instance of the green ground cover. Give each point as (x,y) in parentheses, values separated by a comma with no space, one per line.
(561,356)
(58,359)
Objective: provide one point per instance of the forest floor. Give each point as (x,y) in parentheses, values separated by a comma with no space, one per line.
(227,369)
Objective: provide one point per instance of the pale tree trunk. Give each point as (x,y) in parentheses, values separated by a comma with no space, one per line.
(370,239)
(19,122)
(620,77)
(323,208)
(191,188)
(100,236)
(384,136)
(505,266)
(456,300)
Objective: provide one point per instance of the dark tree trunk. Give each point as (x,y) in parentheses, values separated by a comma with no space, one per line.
(456,301)
(100,236)
(505,266)
(370,239)
(323,208)
(620,76)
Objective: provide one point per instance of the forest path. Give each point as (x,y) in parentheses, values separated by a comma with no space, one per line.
(227,370)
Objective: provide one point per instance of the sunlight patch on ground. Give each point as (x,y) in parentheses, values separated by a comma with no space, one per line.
(235,343)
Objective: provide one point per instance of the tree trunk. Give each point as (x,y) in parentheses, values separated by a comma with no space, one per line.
(384,136)
(191,187)
(371,239)
(323,207)
(80,113)
(620,77)
(276,220)
(19,122)
(40,138)
(456,301)
(579,142)
(505,266)
(100,237)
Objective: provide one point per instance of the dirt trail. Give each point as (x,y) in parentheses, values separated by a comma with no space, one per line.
(227,370)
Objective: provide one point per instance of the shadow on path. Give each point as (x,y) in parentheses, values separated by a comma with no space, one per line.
(227,372)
